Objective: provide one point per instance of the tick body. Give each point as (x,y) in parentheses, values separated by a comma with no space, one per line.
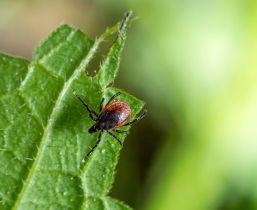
(114,115)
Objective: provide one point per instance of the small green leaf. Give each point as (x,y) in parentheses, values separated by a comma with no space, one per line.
(43,127)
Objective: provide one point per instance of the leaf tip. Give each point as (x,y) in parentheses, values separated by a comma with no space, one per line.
(124,22)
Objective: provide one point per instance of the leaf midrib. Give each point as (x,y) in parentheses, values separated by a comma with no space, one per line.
(54,113)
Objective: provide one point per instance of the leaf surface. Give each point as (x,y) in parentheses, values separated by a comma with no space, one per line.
(43,127)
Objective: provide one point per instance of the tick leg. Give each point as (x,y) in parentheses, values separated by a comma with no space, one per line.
(101,104)
(99,138)
(136,119)
(113,97)
(116,138)
(91,112)
(121,131)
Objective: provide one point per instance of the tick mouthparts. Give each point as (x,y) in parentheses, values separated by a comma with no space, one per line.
(92,129)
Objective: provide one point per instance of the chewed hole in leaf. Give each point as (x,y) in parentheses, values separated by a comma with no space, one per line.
(100,55)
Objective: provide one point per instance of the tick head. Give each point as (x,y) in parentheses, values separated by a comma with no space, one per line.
(93,129)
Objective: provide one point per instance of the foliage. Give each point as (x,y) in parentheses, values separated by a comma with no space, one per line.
(43,127)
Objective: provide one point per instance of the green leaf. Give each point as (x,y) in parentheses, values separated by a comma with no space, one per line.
(43,127)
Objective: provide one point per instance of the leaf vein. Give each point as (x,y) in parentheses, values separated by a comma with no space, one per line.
(53,49)
(53,115)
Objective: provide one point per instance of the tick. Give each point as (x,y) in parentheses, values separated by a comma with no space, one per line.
(114,115)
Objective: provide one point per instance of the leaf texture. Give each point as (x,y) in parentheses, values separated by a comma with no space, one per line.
(43,127)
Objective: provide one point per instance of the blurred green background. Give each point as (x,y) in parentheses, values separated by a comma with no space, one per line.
(195,64)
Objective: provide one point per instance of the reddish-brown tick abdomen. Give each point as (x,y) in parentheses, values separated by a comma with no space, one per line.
(121,109)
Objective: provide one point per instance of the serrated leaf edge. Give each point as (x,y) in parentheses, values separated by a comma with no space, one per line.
(51,120)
